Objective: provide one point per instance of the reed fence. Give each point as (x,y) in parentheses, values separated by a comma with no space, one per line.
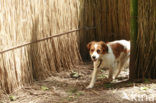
(27,21)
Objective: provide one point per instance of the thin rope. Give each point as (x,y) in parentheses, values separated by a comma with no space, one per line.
(46,38)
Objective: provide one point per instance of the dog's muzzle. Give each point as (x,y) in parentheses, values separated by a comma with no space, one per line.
(93,58)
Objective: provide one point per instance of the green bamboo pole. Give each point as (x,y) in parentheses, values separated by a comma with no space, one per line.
(134,23)
(133,36)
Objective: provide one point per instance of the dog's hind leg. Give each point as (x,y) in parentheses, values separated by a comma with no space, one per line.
(111,73)
(124,63)
(119,70)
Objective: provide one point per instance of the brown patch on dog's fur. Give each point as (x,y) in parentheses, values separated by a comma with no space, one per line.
(117,49)
(104,47)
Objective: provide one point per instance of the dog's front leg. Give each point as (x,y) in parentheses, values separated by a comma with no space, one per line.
(94,74)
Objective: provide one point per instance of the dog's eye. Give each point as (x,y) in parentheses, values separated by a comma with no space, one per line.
(92,50)
(98,51)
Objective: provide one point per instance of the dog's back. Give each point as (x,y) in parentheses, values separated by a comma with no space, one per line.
(121,50)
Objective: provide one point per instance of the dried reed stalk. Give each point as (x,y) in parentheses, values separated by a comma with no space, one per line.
(113,18)
(26,21)
(144,64)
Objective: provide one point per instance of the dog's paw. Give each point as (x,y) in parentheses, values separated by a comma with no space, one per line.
(89,87)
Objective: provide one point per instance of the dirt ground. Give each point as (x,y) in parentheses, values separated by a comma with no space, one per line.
(70,87)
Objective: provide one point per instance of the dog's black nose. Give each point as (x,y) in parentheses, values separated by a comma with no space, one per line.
(93,57)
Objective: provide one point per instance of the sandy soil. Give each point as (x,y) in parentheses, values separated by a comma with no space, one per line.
(66,88)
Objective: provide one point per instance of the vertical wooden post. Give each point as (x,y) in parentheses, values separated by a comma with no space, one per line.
(133,35)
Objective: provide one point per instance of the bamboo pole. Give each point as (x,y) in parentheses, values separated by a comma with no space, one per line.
(133,35)
(143,57)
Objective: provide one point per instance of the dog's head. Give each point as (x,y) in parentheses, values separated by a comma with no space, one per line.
(97,49)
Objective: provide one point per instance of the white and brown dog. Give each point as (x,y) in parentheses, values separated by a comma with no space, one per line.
(113,55)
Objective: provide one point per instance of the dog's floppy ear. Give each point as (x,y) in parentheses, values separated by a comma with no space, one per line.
(89,45)
(104,47)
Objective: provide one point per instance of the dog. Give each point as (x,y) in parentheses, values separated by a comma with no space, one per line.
(112,55)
